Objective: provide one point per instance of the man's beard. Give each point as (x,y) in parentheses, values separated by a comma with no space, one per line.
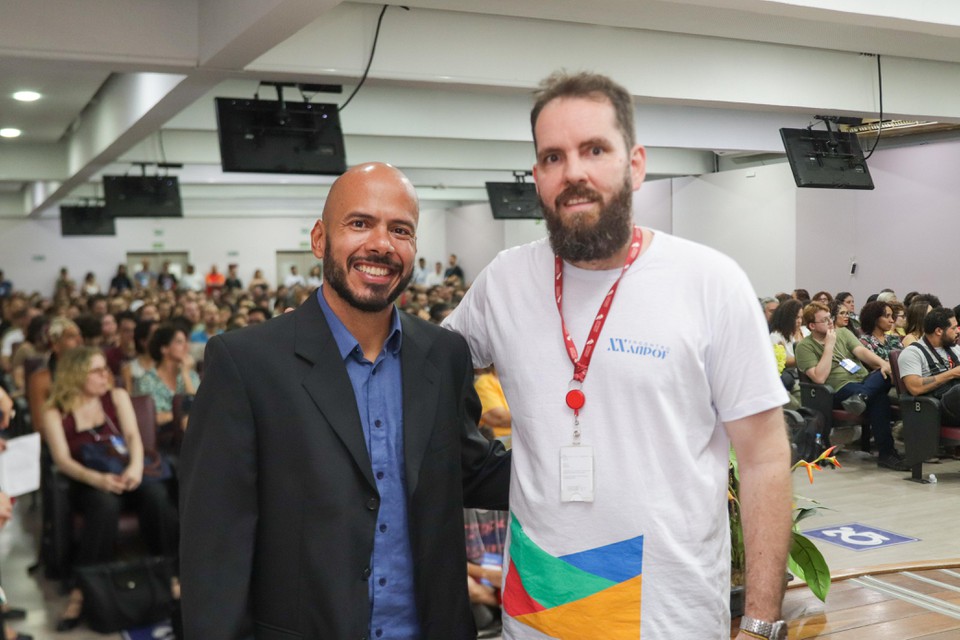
(575,240)
(947,342)
(381,296)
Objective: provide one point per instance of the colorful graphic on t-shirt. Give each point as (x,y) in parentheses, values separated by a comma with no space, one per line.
(567,597)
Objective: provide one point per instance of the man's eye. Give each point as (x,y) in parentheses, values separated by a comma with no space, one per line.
(550,158)
(596,151)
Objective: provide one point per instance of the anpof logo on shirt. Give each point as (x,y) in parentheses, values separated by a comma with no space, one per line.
(638,348)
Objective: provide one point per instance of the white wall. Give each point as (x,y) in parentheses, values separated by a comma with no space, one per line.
(902,234)
(748,214)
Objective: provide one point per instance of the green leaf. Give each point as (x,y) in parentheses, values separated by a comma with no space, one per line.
(807,563)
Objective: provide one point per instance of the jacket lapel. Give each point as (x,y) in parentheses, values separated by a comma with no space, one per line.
(420,394)
(328,383)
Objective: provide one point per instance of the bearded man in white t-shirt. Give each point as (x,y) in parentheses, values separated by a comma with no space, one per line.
(623,414)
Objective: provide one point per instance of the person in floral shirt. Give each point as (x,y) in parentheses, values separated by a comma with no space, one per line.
(876,320)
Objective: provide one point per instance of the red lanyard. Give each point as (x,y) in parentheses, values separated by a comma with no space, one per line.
(575,398)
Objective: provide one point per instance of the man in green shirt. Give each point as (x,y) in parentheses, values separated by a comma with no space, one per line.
(837,358)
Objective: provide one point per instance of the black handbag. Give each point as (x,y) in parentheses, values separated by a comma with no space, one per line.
(125,595)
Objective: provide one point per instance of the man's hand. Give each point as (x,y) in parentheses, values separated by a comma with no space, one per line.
(830,339)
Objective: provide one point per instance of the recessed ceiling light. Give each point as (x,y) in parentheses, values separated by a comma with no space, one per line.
(26,96)
(10,132)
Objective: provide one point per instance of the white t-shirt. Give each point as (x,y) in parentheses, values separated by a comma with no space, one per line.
(777,338)
(684,348)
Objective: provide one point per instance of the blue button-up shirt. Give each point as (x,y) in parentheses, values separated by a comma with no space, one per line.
(378,389)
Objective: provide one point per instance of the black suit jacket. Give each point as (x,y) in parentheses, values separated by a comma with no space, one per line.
(278,501)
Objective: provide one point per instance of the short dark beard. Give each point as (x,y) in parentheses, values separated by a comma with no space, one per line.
(574,241)
(336,277)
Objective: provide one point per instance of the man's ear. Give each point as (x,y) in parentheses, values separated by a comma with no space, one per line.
(318,239)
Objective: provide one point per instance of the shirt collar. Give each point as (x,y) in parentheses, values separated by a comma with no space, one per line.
(346,343)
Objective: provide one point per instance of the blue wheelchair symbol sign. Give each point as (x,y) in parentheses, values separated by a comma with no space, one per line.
(858,537)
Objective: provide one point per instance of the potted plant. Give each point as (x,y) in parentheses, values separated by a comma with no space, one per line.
(805,560)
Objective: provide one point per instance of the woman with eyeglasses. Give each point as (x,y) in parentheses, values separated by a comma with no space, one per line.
(876,320)
(845,298)
(92,432)
(840,315)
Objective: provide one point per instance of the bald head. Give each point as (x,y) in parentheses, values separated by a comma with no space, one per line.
(370,181)
(367,238)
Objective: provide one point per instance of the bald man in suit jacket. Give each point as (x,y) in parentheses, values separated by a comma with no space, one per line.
(284,488)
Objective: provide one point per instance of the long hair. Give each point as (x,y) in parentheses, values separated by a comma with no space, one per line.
(72,371)
(916,312)
(784,319)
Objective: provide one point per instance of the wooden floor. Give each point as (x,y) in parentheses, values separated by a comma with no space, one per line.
(891,603)
(900,592)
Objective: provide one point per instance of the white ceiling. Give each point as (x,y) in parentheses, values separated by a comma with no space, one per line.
(448,94)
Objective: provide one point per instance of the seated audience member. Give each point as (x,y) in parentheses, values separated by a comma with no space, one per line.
(494,412)
(35,345)
(485,532)
(931,366)
(876,320)
(256,315)
(769,305)
(823,297)
(108,331)
(126,346)
(786,329)
(840,315)
(783,296)
(802,296)
(133,369)
(899,319)
(440,311)
(916,312)
(20,316)
(435,277)
(837,358)
(64,336)
(90,329)
(846,299)
(84,413)
(887,295)
(173,374)
(211,324)
(930,299)
(259,286)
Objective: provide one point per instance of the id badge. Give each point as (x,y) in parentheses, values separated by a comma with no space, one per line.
(850,365)
(119,445)
(576,474)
